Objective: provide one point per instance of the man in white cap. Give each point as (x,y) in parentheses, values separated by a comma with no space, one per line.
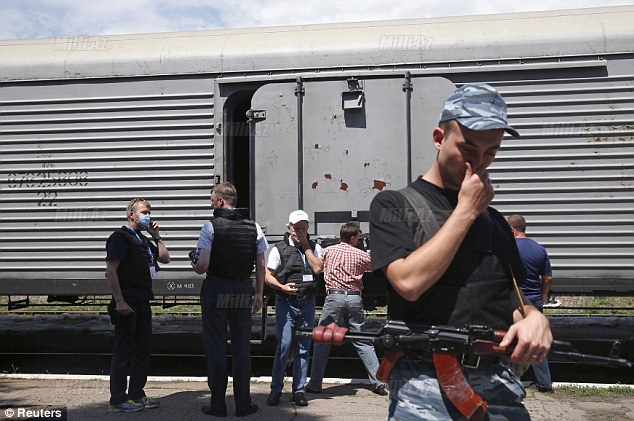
(449,259)
(291,267)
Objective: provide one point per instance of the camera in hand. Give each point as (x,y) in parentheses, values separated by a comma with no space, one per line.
(304,287)
(194,255)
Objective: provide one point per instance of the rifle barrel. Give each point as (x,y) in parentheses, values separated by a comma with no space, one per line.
(398,336)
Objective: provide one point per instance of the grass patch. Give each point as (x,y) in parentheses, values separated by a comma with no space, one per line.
(95,304)
(611,393)
(616,305)
(610,304)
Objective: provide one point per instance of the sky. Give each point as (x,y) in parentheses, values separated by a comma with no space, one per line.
(23,19)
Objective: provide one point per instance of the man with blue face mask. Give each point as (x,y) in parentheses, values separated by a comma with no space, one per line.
(131,265)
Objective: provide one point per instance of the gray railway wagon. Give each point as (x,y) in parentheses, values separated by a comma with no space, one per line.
(319,117)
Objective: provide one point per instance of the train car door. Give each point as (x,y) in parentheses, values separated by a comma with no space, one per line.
(329,146)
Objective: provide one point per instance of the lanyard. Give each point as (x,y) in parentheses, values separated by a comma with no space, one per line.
(145,243)
(301,253)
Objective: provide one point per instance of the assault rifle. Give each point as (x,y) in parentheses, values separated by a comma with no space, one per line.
(449,348)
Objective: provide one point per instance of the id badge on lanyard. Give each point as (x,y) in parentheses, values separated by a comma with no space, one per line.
(306,277)
(152,265)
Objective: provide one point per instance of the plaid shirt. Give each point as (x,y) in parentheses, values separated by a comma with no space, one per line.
(344,266)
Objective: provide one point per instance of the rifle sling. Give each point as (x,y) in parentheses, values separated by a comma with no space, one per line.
(425,224)
(457,389)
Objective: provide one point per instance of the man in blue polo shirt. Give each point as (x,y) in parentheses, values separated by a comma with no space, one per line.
(539,280)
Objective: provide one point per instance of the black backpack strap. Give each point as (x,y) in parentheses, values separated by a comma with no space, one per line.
(419,216)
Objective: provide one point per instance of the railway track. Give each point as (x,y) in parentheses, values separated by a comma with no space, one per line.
(81,342)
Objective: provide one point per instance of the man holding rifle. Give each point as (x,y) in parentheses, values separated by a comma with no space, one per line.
(450,259)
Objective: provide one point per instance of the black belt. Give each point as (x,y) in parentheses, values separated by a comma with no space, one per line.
(297,297)
(340,291)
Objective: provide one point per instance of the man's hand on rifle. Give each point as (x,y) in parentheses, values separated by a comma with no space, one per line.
(532,338)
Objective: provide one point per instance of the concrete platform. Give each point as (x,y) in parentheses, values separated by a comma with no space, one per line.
(86,397)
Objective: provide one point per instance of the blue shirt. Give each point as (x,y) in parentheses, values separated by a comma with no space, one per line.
(537,264)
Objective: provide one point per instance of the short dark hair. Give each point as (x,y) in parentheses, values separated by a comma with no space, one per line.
(349,230)
(447,126)
(518,222)
(226,192)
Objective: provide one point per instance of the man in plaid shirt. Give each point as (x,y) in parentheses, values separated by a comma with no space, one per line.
(344,266)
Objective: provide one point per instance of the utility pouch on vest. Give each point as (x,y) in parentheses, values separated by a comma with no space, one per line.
(305,287)
(304,282)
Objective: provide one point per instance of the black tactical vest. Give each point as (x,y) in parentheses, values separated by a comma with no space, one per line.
(134,270)
(292,267)
(234,245)
(477,286)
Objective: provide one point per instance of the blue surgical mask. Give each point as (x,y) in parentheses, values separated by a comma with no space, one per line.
(144,221)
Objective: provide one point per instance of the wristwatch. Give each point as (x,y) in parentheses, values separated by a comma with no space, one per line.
(157,238)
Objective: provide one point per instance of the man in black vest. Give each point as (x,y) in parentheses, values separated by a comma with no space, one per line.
(290,270)
(229,247)
(449,262)
(131,265)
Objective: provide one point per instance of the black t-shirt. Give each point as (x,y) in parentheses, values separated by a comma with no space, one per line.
(117,249)
(117,246)
(475,289)
(389,232)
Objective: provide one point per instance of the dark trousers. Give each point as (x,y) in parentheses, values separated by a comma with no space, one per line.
(131,354)
(225,301)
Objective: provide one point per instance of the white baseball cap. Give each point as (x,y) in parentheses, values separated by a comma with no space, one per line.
(296,216)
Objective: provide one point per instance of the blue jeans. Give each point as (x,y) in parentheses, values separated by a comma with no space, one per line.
(345,310)
(415,393)
(541,371)
(289,311)
(131,354)
(226,301)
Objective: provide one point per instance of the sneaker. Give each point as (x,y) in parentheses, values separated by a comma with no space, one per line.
(552,303)
(379,390)
(148,403)
(299,399)
(545,389)
(127,406)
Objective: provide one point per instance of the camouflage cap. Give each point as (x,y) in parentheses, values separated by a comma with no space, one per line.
(477,106)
